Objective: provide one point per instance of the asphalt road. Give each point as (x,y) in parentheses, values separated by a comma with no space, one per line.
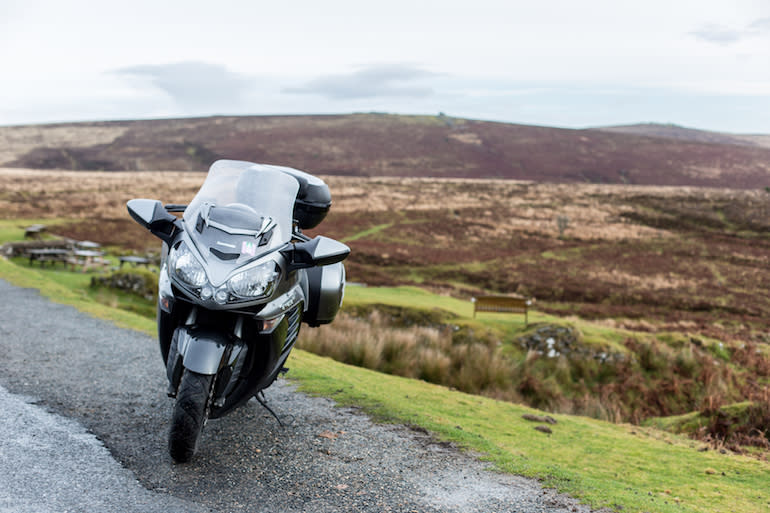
(84,420)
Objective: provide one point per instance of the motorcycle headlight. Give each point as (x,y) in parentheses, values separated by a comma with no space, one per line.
(255,282)
(183,264)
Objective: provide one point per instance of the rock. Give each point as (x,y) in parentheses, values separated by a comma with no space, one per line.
(553,341)
(142,283)
(539,418)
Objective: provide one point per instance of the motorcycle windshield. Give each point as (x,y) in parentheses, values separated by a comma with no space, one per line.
(237,203)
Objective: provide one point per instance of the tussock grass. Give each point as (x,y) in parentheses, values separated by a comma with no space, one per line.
(437,354)
(608,373)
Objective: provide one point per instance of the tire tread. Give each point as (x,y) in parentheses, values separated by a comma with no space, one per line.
(189,415)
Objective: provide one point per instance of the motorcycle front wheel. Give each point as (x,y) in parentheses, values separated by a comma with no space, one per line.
(190,412)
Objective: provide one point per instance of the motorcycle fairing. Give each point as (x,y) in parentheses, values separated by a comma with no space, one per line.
(239,217)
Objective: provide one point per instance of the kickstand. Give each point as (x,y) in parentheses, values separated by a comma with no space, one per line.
(261,398)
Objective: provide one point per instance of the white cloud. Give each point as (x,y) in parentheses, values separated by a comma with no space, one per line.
(761,26)
(196,86)
(382,81)
(726,35)
(718,34)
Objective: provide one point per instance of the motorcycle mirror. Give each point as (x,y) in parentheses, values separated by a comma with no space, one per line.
(316,252)
(151,214)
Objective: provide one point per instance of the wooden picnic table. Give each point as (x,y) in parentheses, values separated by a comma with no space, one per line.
(52,255)
(86,258)
(87,244)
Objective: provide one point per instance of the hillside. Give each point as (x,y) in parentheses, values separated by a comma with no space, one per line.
(681,133)
(392,145)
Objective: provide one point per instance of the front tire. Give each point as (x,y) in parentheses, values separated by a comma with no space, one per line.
(190,413)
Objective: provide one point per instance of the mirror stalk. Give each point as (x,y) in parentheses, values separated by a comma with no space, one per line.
(316,252)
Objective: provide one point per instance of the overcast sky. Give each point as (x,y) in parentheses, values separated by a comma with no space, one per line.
(701,63)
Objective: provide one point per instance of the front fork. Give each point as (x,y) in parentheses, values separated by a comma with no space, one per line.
(210,351)
(205,352)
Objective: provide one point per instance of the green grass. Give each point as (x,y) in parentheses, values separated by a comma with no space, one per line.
(550,255)
(504,325)
(640,469)
(408,297)
(367,232)
(13,229)
(743,417)
(687,423)
(603,464)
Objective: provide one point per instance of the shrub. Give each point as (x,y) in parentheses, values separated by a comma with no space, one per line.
(139,282)
(747,424)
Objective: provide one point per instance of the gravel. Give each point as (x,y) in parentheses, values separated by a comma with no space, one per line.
(99,426)
(49,463)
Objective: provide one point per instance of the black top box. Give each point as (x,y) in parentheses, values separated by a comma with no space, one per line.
(313,199)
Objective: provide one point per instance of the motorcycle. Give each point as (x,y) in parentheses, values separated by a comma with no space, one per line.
(237,278)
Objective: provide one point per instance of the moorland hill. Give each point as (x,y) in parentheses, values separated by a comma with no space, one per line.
(394,145)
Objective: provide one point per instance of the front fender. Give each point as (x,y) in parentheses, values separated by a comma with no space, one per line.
(203,351)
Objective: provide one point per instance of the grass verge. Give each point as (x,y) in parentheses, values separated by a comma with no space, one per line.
(604,464)
(13,229)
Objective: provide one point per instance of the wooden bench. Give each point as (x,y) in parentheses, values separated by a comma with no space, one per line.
(502,304)
(134,261)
